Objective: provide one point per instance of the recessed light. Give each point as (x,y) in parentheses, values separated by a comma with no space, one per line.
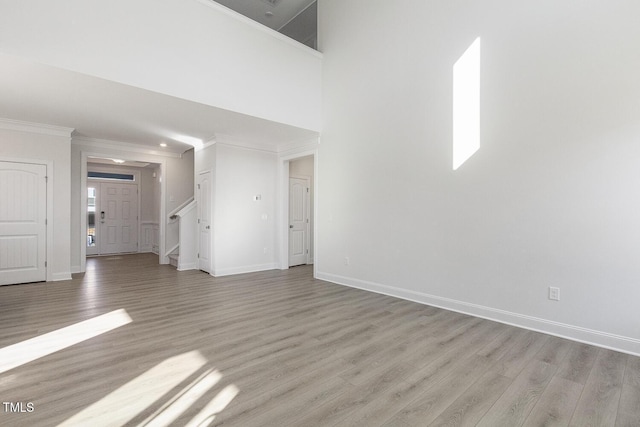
(268,14)
(163,144)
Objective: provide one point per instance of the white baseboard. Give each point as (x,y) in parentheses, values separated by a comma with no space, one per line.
(575,333)
(244,269)
(58,277)
(184,266)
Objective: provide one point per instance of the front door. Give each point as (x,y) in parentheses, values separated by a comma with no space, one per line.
(23,222)
(204,221)
(118,218)
(298,221)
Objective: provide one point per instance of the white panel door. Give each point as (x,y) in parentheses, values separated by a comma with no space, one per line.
(298,221)
(118,218)
(204,221)
(23,222)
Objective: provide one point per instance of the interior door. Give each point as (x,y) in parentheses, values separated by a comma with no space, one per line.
(118,218)
(298,221)
(23,222)
(204,221)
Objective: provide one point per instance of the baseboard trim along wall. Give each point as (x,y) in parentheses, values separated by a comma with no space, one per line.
(243,269)
(575,333)
(58,277)
(187,266)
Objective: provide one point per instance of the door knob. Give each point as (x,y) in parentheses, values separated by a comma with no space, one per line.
(207,227)
(291,226)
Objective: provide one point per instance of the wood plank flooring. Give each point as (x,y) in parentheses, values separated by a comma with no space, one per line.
(280,348)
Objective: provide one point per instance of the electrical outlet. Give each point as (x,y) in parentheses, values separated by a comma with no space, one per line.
(554,293)
(346,260)
(264,250)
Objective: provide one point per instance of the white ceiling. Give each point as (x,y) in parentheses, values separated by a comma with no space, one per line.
(283,11)
(102,109)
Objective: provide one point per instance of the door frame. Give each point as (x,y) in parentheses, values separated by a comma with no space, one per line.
(211,202)
(136,182)
(84,157)
(50,218)
(307,202)
(283,210)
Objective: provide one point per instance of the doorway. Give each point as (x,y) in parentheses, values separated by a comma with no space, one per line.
(112,218)
(204,221)
(300,232)
(299,221)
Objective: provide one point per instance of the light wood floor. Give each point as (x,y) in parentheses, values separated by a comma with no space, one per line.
(279,348)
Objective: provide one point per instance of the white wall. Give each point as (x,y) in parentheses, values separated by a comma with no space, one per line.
(148,211)
(551,197)
(191,49)
(302,168)
(244,230)
(46,144)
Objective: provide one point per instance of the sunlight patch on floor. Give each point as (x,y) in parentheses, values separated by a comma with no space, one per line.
(27,351)
(206,416)
(126,402)
(171,410)
(156,385)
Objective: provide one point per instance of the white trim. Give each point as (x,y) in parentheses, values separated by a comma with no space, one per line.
(576,333)
(289,147)
(255,24)
(84,155)
(196,192)
(59,277)
(186,265)
(41,128)
(123,170)
(126,146)
(307,201)
(173,248)
(299,145)
(183,209)
(282,213)
(241,143)
(75,269)
(205,145)
(244,269)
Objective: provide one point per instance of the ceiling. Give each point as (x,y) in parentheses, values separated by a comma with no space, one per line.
(102,109)
(275,14)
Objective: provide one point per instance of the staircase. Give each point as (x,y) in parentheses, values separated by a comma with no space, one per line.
(184,220)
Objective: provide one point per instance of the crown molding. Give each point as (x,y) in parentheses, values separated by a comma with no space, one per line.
(306,144)
(207,144)
(240,143)
(123,146)
(41,128)
(301,144)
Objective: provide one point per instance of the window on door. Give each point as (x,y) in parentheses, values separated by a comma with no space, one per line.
(91,217)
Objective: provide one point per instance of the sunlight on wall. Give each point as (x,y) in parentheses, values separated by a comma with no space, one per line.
(27,351)
(466,105)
